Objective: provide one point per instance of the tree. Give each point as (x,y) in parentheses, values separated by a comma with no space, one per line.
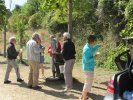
(70,17)
(3,22)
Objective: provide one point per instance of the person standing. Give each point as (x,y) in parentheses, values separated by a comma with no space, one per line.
(12,54)
(53,52)
(33,56)
(68,53)
(88,60)
(42,59)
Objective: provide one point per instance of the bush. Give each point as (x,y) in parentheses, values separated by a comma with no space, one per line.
(107,60)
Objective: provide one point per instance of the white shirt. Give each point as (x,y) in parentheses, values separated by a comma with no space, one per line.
(33,51)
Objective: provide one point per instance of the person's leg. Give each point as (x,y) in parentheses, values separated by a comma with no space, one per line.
(16,67)
(71,69)
(68,66)
(57,69)
(53,67)
(30,79)
(8,70)
(61,67)
(89,75)
(84,95)
(35,74)
(42,68)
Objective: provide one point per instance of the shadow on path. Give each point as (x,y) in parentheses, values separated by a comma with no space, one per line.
(56,93)
(105,83)
(96,97)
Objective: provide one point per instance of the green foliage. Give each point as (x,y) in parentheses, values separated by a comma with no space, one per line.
(128,31)
(35,20)
(31,7)
(82,7)
(99,17)
(3,14)
(129,10)
(20,28)
(25,37)
(17,20)
(2,8)
(107,59)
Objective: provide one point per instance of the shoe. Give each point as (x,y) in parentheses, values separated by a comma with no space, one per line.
(30,86)
(20,80)
(36,87)
(7,82)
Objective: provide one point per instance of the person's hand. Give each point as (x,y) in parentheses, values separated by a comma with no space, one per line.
(97,55)
(20,52)
(38,41)
(43,48)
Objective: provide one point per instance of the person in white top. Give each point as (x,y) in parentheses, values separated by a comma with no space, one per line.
(33,56)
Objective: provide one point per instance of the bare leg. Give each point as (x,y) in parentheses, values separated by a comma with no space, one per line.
(42,68)
(84,95)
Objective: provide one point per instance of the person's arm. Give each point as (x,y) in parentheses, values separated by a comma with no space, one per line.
(95,47)
(36,49)
(27,50)
(43,47)
(64,50)
(73,49)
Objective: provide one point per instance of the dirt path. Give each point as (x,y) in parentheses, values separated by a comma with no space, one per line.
(51,90)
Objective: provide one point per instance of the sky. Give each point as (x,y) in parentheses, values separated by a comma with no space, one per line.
(13,3)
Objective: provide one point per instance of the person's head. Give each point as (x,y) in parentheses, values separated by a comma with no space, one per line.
(66,36)
(91,39)
(52,36)
(39,41)
(36,37)
(12,40)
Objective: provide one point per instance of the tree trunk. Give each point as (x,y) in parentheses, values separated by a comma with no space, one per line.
(4,33)
(70,17)
(121,25)
(21,37)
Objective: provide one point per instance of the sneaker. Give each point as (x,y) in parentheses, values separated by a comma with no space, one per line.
(36,87)
(20,80)
(7,82)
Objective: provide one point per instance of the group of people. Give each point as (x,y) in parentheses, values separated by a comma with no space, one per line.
(35,57)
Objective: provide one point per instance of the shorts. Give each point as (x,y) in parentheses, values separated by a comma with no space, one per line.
(41,59)
(89,75)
